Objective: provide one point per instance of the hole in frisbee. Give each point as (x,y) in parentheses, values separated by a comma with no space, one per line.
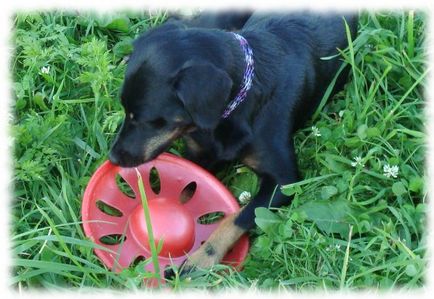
(138,260)
(124,187)
(154,180)
(113,239)
(188,192)
(211,218)
(108,209)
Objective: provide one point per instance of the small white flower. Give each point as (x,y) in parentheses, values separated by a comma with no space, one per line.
(45,70)
(341,113)
(338,246)
(244,197)
(391,171)
(357,161)
(315,131)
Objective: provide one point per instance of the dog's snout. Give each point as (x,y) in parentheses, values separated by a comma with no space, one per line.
(113,158)
(117,153)
(123,157)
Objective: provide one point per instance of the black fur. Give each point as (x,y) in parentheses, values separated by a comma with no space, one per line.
(226,20)
(180,79)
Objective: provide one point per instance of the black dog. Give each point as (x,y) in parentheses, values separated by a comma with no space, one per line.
(180,81)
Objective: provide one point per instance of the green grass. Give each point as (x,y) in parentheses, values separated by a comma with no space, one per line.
(348,226)
(153,247)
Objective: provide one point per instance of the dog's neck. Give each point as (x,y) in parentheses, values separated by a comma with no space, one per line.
(247,79)
(234,61)
(262,86)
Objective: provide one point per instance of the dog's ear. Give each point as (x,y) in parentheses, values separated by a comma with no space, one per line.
(204,90)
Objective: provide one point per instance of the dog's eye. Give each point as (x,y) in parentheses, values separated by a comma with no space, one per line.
(158,122)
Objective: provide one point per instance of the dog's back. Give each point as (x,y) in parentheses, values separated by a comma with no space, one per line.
(322,33)
(307,38)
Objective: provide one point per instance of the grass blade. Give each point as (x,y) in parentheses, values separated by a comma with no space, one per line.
(346,258)
(149,228)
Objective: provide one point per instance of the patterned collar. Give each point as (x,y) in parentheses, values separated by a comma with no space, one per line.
(247,78)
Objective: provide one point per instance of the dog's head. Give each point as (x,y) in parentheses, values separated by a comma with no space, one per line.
(173,85)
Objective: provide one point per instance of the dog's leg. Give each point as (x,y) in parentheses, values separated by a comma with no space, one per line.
(277,169)
(215,248)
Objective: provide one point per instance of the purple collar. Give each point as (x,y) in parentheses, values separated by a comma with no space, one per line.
(247,78)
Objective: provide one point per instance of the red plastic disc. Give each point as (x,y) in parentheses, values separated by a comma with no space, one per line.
(108,211)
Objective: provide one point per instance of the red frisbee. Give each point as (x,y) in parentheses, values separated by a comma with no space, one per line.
(174,221)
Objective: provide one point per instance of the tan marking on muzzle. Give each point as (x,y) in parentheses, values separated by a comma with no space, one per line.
(156,142)
(192,145)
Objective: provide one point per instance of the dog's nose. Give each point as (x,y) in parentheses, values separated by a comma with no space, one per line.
(113,158)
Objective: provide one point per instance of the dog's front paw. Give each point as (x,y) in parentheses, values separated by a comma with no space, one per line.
(204,258)
(214,249)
